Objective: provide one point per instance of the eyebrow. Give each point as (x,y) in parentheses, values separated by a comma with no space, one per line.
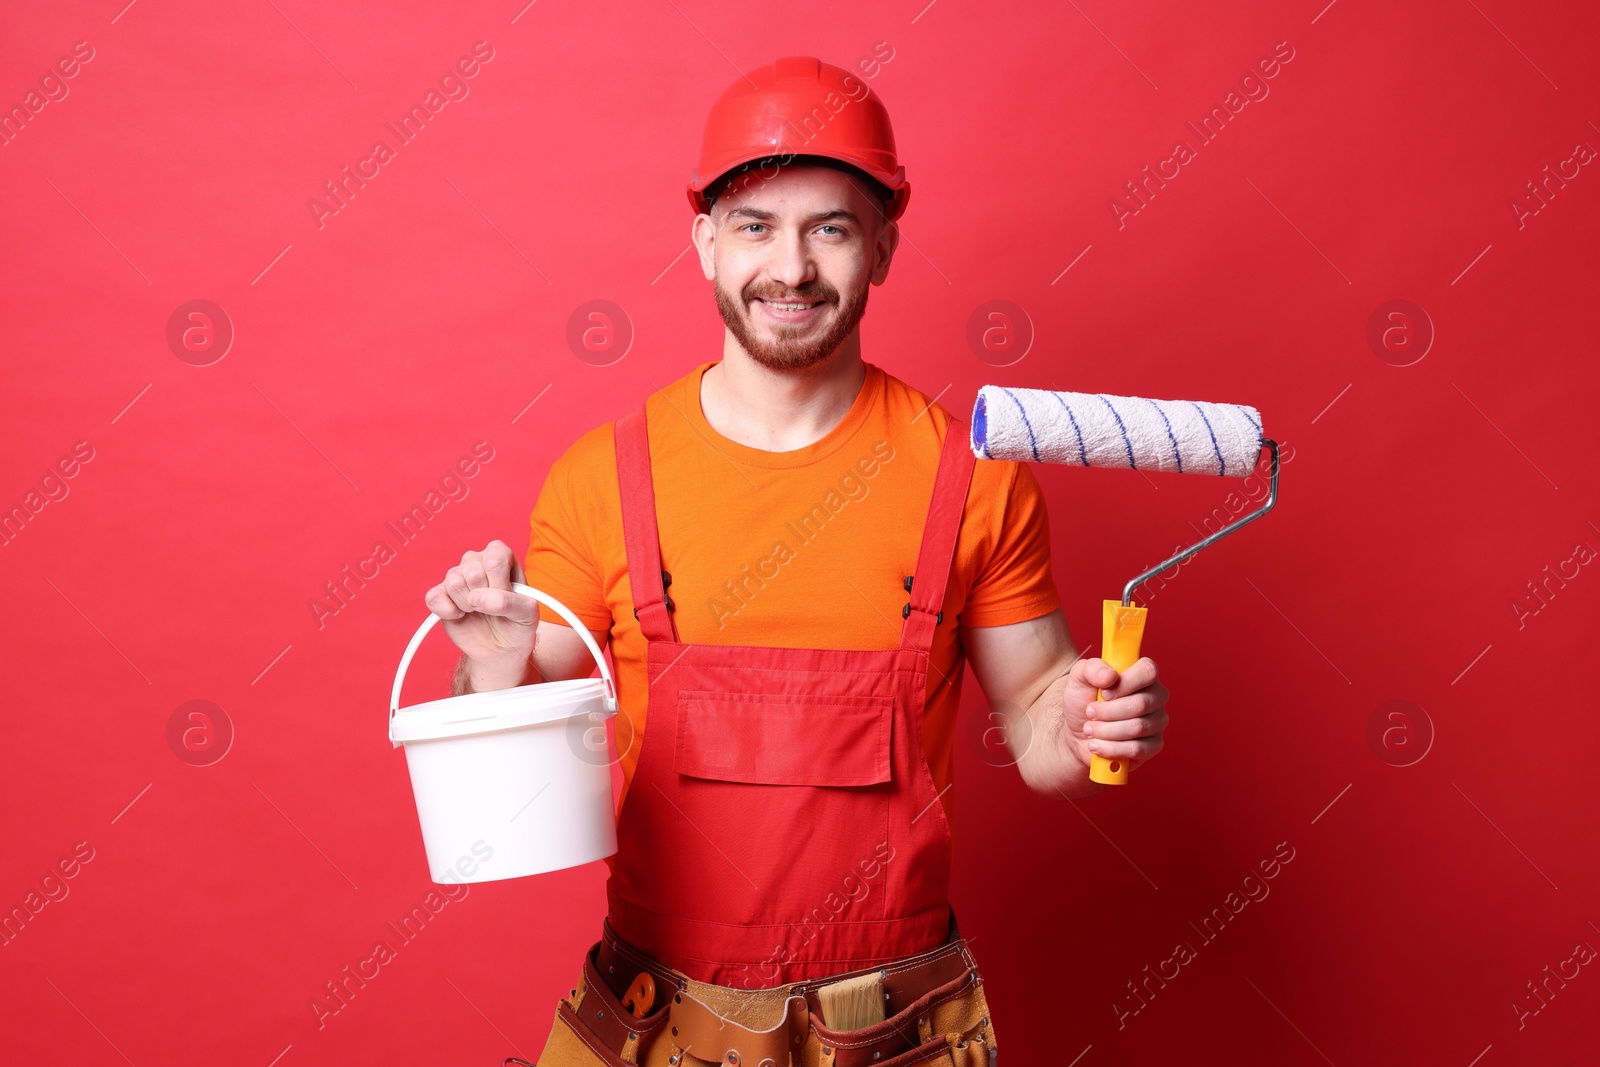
(768,216)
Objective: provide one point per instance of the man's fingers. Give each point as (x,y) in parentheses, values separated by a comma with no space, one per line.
(496,567)
(1129,723)
(1139,676)
(1143,702)
(474,569)
(1126,729)
(439,602)
(500,565)
(1093,673)
(504,604)
(456,588)
(1143,748)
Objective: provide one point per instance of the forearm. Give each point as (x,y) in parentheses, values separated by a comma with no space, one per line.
(473,676)
(1051,765)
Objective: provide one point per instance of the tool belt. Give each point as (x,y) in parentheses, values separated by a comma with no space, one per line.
(630,1009)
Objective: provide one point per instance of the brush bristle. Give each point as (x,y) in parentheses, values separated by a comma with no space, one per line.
(853,1003)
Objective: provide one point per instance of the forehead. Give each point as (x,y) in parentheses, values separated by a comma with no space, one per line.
(794,187)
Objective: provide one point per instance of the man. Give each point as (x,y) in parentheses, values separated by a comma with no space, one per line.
(793,555)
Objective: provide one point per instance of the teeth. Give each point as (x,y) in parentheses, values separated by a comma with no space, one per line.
(790,307)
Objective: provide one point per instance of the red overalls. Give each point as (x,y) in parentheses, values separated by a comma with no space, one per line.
(782,823)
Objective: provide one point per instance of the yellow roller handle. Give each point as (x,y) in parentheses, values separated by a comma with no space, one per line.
(1122,631)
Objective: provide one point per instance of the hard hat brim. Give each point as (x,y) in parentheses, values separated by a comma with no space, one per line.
(895,185)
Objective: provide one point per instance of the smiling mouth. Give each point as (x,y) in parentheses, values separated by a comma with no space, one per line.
(790,305)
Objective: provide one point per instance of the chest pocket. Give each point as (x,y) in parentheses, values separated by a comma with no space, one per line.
(775,739)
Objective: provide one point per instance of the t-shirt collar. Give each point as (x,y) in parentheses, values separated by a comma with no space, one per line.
(867,399)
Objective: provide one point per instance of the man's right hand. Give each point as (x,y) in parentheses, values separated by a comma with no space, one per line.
(494,626)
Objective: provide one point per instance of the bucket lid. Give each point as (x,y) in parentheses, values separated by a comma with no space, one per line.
(499,709)
(502,709)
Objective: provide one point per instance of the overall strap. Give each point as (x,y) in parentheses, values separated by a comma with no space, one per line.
(927,585)
(639,532)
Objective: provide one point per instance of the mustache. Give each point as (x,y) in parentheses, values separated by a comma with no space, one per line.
(828,294)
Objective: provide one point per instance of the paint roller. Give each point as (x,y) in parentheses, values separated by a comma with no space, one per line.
(1127,432)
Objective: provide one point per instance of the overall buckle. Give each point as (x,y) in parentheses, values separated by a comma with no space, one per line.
(666,580)
(905,612)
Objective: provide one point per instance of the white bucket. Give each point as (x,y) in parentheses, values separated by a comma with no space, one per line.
(509,783)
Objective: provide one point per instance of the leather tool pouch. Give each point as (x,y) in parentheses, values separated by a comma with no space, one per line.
(703,1033)
(597,1019)
(908,1032)
(945,1026)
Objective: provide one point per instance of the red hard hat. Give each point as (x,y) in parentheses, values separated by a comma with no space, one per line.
(800,106)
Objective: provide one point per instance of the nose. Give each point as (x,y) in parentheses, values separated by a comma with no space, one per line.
(791,264)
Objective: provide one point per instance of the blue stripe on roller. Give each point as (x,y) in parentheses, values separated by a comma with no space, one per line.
(1170,435)
(1032,445)
(1125,442)
(1083,457)
(1222,464)
(1254,424)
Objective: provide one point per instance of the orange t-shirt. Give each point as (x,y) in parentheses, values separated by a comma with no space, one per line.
(802,549)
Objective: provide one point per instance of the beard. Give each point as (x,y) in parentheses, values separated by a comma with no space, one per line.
(794,346)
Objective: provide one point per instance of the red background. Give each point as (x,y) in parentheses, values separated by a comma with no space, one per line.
(373,352)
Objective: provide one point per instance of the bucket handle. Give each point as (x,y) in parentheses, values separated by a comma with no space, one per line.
(543,598)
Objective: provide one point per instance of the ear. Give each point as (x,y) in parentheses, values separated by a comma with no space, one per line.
(887,240)
(703,234)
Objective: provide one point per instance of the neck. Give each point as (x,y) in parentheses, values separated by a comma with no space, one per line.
(780,411)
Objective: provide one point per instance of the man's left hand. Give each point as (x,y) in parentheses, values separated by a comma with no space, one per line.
(1127,724)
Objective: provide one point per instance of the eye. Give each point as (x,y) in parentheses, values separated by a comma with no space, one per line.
(747,225)
(831,226)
